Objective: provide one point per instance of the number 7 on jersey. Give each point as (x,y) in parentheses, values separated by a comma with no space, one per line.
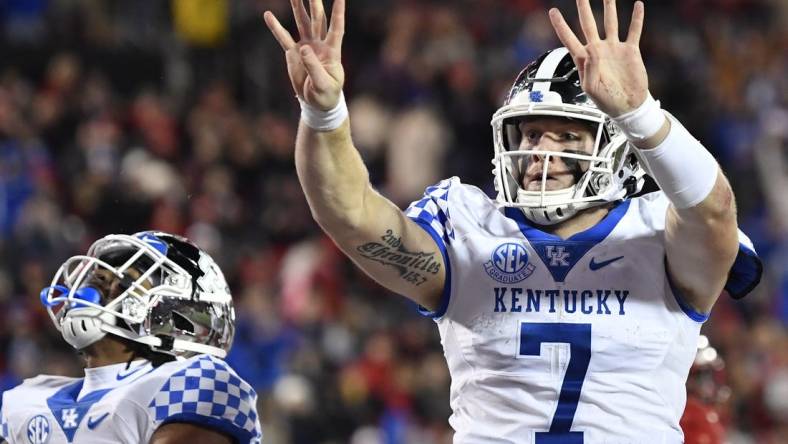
(578,336)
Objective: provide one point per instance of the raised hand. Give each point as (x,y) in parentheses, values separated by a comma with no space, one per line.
(612,72)
(314,63)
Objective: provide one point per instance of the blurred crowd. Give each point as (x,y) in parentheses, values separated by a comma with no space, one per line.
(121,116)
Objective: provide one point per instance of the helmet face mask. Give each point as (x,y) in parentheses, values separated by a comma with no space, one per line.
(530,156)
(166,293)
(550,88)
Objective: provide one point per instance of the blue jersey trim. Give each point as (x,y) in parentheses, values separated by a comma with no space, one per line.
(745,274)
(595,234)
(693,314)
(446,296)
(222,425)
(66,398)
(569,250)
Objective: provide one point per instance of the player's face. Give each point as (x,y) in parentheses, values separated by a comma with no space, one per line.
(559,135)
(109,285)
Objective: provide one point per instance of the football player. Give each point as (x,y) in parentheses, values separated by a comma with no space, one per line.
(569,308)
(703,421)
(152,316)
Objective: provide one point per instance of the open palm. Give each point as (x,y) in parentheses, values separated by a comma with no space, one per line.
(314,63)
(611,72)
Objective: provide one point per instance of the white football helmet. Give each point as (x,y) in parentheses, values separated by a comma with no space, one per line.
(550,86)
(175,300)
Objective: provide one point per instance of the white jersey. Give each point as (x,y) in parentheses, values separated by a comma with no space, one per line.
(573,341)
(116,405)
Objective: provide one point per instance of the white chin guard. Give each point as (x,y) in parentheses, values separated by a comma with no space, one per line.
(81,327)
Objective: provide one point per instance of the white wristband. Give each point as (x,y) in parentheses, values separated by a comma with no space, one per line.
(684,170)
(320,120)
(642,122)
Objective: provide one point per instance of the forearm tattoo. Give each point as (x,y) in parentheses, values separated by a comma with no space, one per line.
(413,266)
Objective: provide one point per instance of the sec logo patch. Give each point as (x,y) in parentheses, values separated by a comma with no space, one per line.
(38,430)
(509,263)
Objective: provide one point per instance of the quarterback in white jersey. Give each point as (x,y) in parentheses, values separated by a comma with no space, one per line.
(152,315)
(569,307)
(583,339)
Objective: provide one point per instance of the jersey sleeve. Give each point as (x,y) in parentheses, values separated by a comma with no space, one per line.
(4,432)
(210,394)
(746,271)
(431,213)
(5,426)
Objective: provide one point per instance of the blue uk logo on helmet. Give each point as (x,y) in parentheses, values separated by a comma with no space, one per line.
(151,239)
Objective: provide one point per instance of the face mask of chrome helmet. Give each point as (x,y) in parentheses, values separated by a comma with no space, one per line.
(550,87)
(180,304)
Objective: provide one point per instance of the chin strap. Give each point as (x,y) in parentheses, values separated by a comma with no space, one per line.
(553,214)
(166,344)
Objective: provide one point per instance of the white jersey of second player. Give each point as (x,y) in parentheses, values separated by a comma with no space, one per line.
(119,405)
(548,340)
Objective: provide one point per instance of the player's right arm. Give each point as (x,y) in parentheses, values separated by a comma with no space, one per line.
(369,228)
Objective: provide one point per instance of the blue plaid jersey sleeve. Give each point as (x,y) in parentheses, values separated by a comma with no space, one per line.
(4,432)
(209,393)
(432,212)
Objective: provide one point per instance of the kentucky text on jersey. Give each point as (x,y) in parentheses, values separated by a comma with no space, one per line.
(596,302)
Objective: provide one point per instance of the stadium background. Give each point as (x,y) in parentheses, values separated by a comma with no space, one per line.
(119,116)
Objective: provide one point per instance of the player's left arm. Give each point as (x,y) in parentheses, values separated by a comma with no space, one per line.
(701,237)
(185,433)
(701,241)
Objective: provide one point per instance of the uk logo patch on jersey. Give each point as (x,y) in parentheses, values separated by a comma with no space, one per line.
(558,256)
(509,264)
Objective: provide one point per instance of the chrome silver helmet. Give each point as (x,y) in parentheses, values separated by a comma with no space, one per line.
(169,295)
(550,87)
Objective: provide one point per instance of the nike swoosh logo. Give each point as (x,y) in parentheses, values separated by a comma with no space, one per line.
(122,376)
(94,422)
(597,265)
